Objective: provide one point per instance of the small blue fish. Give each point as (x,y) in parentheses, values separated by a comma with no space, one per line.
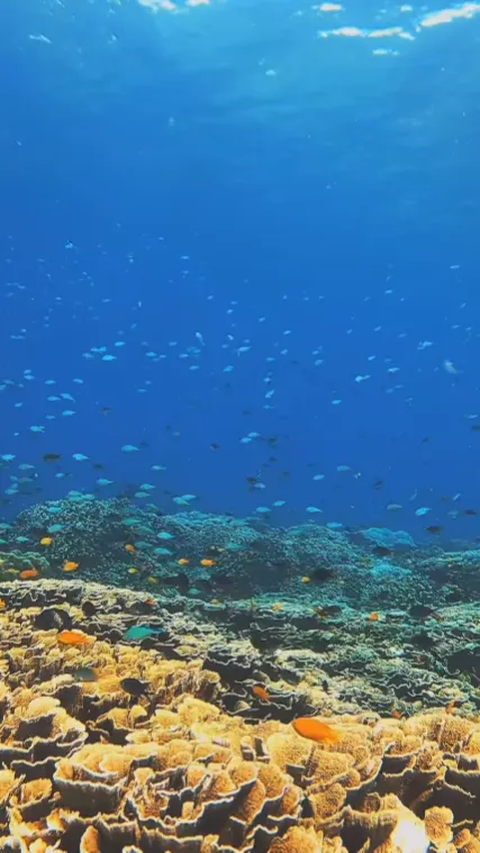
(422,510)
(141,632)
(55,528)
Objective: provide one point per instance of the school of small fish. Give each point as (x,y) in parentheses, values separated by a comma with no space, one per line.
(236,401)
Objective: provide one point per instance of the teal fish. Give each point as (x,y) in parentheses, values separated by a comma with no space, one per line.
(85,674)
(55,528)
(140,632)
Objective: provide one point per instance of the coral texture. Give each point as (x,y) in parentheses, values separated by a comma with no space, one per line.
(311,659)
(244,557)
(108,746)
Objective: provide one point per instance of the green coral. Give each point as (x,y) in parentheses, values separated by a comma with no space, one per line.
(21,561)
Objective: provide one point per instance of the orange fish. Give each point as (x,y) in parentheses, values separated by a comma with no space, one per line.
(313,729)
(75,638)
(305,579)
(277,608)
(47,540)
(70,567)
(374,617)
(151,602)
(262,693)
(183,561)
(130,548)
(3,604)
(28,574)
(208,563)
(397,714)
(451,705)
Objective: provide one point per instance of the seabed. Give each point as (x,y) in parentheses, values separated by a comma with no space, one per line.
(153,711)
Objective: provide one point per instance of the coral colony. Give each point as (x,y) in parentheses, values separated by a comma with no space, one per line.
(197,684)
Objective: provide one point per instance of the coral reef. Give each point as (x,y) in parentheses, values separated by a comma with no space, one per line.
(214,556)
(17,561)
(151,668)
(383,537)
(142,757)
(89,531)
(311,660)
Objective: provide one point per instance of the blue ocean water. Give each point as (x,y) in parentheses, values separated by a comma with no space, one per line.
(241,238)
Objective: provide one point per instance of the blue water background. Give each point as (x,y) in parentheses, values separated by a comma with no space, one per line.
(152,160)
